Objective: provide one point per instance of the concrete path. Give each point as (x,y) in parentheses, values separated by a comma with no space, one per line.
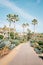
(22,55)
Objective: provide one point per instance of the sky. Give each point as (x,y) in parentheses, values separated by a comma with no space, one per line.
(27,10)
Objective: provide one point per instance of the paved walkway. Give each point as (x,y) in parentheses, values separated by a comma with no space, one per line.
(22,55)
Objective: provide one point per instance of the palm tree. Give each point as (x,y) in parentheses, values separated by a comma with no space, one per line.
(23,25)
(28,34)
(9,19)
(27,25)
(12,18)
(28,30)
(34,22)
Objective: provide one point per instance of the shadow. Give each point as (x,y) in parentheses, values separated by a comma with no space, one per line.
(41,57)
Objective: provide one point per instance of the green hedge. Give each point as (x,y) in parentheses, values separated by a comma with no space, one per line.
(12,35)
(38,51)
(1,36)
(11,46)
(16,42)
(2,45)
(40,42)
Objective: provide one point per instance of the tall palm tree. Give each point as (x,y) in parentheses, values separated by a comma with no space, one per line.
(28,34)
(12,18)
(28,30)
(27,25)
(24,25)
(34,22)
(9,19)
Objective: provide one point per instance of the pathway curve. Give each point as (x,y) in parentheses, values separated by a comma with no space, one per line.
(22,55)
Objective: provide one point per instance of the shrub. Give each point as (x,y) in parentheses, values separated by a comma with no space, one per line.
(2,45)
(41,46)
(22,39)
(12,35)
(32,41)
(4,51)
(11,46)
(1,36)
(39,51)
(32,44)
(7,43)
(42,50)
(1,40)
(28,36)
(16,42)
(40,42)
(16,36)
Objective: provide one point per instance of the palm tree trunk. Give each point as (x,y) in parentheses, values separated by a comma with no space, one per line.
(34,32)
(9,29)
(14,30)
(34,29)
(23,31)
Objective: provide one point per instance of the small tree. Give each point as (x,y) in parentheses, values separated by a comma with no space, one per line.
(12,35)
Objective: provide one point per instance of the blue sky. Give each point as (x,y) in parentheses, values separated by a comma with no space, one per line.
(27,11)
